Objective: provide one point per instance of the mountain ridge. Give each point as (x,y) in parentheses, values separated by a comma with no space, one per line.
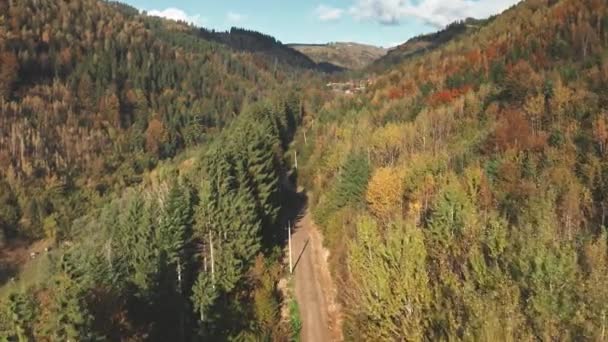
(348,55)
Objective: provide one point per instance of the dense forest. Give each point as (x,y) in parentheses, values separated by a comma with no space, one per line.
(149,163)
(93,94)
(146,178)
(476,210)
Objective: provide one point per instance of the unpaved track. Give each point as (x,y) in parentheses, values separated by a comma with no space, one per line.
(314,288)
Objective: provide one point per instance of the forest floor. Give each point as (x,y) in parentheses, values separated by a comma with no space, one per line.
(314,289)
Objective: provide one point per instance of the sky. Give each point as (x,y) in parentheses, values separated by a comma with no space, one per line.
(378,22)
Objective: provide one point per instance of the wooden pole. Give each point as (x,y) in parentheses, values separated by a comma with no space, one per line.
(212,261)
(179,275)
(289,243)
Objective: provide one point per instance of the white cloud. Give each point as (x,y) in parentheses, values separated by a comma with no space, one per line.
(234,17)
(178,15)
(328,13)
(438,13)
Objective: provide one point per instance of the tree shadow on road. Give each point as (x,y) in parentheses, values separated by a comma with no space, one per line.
(301,253)
(294,204)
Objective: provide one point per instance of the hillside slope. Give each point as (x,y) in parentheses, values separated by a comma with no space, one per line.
(93,93)
(476,207)
(425,43)
(255,42)
(351,56)
(144,165)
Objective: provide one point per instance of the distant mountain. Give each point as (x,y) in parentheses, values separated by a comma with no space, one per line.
(427,42)
(262,44)
(346,55)
(256,42)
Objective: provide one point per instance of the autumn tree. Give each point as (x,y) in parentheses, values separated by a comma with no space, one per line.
(384,193)
(9,71)
(376,262)
(155,136)
(600,132)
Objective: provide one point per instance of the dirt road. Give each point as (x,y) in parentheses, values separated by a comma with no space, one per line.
(315,291)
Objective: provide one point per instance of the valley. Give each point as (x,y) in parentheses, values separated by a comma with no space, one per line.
(453,187)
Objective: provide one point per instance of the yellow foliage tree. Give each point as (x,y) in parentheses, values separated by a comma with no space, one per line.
(562,95)
(387,143)
(600,132)
(535,109)
(384,193)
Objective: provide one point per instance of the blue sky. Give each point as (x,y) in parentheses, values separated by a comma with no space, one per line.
(378,22)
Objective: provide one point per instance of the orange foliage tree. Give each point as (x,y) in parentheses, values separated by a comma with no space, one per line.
(155,136)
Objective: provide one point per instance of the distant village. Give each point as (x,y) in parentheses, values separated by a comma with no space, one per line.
(351,87)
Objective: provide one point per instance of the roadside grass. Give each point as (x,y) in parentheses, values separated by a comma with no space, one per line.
(295,322)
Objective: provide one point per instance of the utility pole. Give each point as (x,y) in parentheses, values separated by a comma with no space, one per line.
(295,157)
(289,243)
(179,275)
(212,261)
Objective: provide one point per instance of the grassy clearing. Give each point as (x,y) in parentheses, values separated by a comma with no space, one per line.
(32,273)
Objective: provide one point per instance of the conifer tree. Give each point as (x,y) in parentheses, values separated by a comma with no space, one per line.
(265,180)
(22,311)
(67,318)
(175,226)
(204,294)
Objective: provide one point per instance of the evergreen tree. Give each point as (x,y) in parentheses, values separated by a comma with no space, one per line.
(204,294)
(68,318)
(176,225)
(22,312)
(262,170)
(9,212)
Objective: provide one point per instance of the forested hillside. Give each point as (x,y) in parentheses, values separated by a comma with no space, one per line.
(92,94)
(475,209)
(149,163)
(426,43)
(192,253)
(146,179)
(241,39)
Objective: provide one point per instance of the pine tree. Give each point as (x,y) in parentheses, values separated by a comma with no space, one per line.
(9,211)
(176,224)
(22,312)
(265,179)
(138,246)
(353,180)
(244,217)
(145,260)
(452,215)
(204,294)
(68,318)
